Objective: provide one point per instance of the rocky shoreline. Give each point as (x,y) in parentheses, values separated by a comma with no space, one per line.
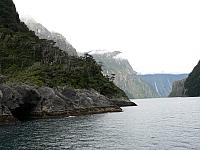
(7,119)
(21,102)
(76,112)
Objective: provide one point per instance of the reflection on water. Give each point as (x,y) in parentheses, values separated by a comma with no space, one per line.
(172,123)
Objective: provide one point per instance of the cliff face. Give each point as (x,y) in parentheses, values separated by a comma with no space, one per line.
(192,83)
(178,89)
(125,77)
(162,83)
(43,33)
(189,86)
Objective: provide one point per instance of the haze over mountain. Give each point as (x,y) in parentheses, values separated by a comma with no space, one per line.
(135,85)
(44,33)
(132,59)
(152,34)
(144,86)
(162,83)
(113,63)
(125,77)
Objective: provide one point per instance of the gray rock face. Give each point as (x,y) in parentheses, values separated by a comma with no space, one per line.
(5,113)
(20,100)
(43,33)
(125,77)
(25,102)
(178,89)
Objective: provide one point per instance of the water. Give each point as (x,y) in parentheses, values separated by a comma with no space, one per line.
(156,124)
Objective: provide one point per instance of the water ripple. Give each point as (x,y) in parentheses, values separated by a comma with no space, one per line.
(156,124)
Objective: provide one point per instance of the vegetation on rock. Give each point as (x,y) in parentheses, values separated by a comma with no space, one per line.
(9,18)
(26,58)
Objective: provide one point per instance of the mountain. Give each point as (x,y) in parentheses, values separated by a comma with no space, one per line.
(9,18)
(39,80)
(44,33)
(125,77)
(189,86)
(162,83)
(192,83)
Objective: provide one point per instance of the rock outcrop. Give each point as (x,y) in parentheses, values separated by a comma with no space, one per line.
(178,89)
(5,114)
(24,102)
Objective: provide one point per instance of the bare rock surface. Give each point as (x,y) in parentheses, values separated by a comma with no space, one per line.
(178,89)
(24,102)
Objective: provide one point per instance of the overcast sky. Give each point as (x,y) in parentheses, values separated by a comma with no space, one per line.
(157,36)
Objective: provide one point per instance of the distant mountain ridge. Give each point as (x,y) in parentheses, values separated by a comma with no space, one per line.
(125,77)
(162,83)
(44,33)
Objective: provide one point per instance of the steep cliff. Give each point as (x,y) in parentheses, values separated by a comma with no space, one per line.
(44,33)
(178,88)
(189,86)
(125,77)
(162,83)
(192,83)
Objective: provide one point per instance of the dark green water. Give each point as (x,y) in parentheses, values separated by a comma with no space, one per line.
(156,124)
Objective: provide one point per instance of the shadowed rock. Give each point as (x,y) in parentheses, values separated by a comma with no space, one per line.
(25,102)
(20,100)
